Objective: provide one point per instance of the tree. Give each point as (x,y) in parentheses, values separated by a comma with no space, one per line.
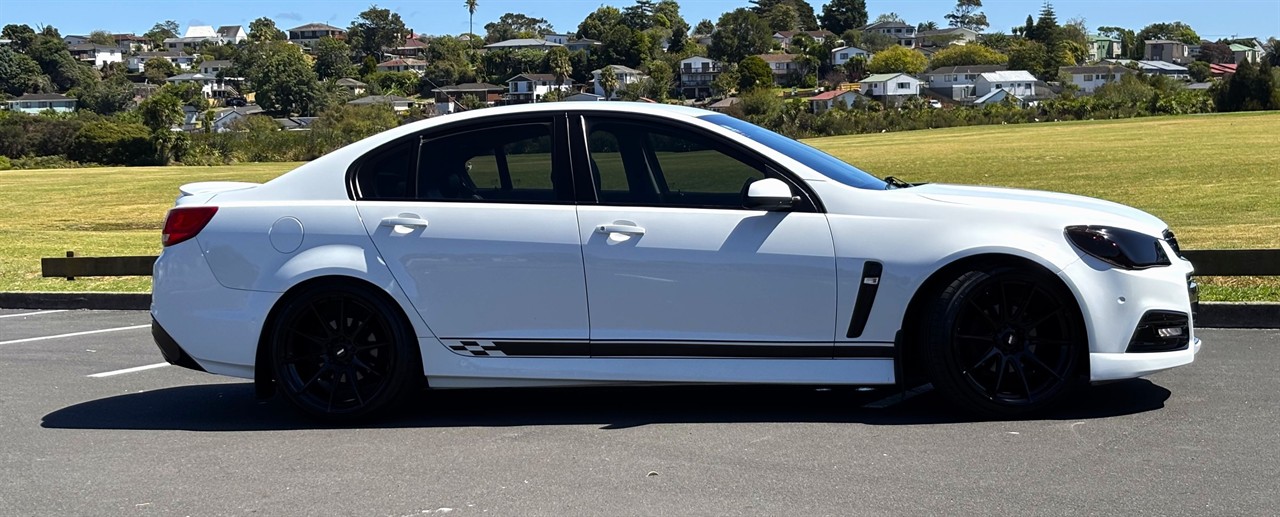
(157,69)
(740,33)
(374,30)
(600,22)
(1273,52)
(282,79)
(101,37)
(19,36)
(105,97)
(1176,31)
(782,18)
(348,123)
(1211,52)
(110,143)
(471,15)
(926,26)
(839,16)
(608,81)
(874,42)
(704,28)
(961,55)
(661,80)
(1075,31)
(264,29)
(1128,40)
(889,17)
(333,59)
(897,59)
(162,30)
(754,73)
(1046,28)
(20,74)
(65,72)
(560,65)
(515,25)
(161,111)
(1199,71)
(967,16)
(805,19)
(1033,57)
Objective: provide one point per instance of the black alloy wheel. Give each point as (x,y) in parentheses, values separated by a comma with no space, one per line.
(1005,342)
(341,352)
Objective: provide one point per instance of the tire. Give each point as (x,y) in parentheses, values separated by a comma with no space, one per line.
(1005,342)
(341,352)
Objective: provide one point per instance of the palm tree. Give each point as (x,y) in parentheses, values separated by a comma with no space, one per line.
(608,82)
(471,11)
(558,59)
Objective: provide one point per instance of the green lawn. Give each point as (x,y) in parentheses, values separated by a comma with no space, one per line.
(1214,178)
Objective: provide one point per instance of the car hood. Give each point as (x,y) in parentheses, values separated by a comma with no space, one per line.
(1072,209)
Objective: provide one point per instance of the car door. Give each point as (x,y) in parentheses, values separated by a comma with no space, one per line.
(478,226)
(675,266)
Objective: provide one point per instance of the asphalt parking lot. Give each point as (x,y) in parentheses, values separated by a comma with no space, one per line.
(91,423)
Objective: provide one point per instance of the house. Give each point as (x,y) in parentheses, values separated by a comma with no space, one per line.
(957,82)
(295,123)
(842,55)
(211,86)
(412,46)
(584,44)
(214,67)
(624,75)
(1169,51)
(398,104)
(307,35)
(1166,69)
(181,61)
(783,38)
(999,96)
(130,43)
(1103,47)
(1018,82)
(702,39)
(1089,78)
(526,88)
(99,55)
(518,43)
(945,37)
(904,33)
(231,35)
(833,99)
(198,35)
(1242,53)
(782,66)
(222,119)
(559,39)
(697,73)
(890,88)
(448,97)
(38,102)
(584,97)
(352,85)
(404,64)
(75,39)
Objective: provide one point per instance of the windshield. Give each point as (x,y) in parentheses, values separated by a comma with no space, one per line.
(824,163)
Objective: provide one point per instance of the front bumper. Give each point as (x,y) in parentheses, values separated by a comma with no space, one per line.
(1111,367)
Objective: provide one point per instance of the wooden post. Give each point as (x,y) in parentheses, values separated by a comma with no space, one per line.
(71,254)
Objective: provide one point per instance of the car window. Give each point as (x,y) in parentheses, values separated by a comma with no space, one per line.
(511,163)
(386,174)
(658,165)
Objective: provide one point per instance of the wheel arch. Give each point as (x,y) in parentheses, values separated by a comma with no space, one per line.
(263,378)
(931,288)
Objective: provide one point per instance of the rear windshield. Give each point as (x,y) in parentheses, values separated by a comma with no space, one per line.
(824,163)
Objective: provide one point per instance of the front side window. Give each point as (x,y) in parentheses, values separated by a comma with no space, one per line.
(819,161)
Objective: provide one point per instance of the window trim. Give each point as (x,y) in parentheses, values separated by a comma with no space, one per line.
(584,183)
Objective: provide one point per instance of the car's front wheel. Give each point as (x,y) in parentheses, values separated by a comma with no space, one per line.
(340,351)
(1004,342)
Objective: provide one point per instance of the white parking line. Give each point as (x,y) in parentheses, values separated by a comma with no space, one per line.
(31,313)
(898,398)
(127,370)
(73,334)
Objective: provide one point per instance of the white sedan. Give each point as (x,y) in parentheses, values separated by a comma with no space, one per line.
(568,244)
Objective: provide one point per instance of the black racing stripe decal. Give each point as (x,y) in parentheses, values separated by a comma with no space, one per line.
(544,348)
(716,350)
(867,288)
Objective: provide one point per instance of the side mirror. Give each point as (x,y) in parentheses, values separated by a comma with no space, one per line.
(769,194)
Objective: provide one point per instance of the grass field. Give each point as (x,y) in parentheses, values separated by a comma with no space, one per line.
(1214,178)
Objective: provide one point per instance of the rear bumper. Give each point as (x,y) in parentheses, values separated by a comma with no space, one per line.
(170,349)
(1111,367)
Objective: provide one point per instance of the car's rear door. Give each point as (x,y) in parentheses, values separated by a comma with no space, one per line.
(482,234)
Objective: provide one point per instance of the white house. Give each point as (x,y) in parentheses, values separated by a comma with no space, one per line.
(214,66)
(197,35)
(890,87)
(75,39)
(518,43)
(783,38)
(99,55)
(625,76)
(559,39)
(138,63)
(307,35)
(584,97)
(842,55)
(223,118)
(39,102)
(904,33)
(1018,82)
(697,73)
(833,99)
(1089,78)
(211,86)
(232,35)
(525,88)
(406,64)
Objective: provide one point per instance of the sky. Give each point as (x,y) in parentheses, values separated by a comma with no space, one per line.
(1211,19)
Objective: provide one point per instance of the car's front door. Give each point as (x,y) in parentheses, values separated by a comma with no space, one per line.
(677,267)
(482,234)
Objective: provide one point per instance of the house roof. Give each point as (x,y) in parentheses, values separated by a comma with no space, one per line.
(1199,86)
(469,87)
(191,77)
(1095,69)
(380,99)
(994,96)
(583,41)
(294,122)
(316,27)
(200,31)
(884,78)
(1099,37)
(347,81)
(128,37)
(86,47)
(885,25)
(218,63)
(1008,76)
(407,61)
(968,69)
(1222,68)
(777,58)
(1236,47)
(523,42)
(724,103)
(847,47)
(584,96)
(167,53)
(42,97)
(619,68)
(814,34)
(692,59)
(534,77)
(229,31)
(945,32)
(832,94)
(412,42)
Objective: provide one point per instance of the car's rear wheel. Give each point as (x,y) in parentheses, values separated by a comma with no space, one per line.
(340,351)
(1004,342)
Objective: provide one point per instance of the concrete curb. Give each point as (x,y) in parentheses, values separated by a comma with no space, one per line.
(1212,314)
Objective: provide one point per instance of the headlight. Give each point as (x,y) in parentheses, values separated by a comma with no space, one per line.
(1119,247)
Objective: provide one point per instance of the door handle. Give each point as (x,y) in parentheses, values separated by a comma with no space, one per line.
(407,220)
(626,229)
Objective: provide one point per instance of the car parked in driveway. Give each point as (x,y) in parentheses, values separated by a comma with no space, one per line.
(564,244)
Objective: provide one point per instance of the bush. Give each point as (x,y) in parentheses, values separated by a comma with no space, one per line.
(5,164)
(110,143)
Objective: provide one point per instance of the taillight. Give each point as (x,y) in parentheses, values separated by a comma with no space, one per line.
(183,223)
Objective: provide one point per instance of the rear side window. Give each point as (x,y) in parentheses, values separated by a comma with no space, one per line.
(387,174)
